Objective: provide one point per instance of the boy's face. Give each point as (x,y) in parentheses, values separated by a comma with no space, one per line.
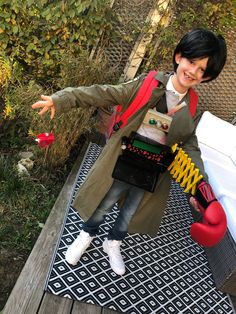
(189,73)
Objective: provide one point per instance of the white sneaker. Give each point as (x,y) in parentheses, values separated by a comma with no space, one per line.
(78,247)
(112,248)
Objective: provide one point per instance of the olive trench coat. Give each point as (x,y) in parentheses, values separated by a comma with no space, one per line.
(182,131)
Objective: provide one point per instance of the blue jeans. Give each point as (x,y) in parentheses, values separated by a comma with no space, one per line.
(132,200)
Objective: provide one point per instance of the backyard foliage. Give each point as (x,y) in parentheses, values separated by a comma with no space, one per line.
(5,71)
(36,33)
(30,204)
(46,47)
(216,15)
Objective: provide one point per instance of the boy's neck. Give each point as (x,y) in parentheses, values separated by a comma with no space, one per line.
(180,89)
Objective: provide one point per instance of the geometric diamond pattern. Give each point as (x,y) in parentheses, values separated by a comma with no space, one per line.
(166,274)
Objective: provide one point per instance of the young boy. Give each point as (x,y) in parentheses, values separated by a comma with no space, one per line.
(199,57)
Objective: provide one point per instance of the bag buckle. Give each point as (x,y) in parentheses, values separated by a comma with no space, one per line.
(117,125)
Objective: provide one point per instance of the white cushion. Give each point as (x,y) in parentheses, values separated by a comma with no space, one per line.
(217,142)
(216,133)
(229,206)
(233,156)
(222,180)
(215,157)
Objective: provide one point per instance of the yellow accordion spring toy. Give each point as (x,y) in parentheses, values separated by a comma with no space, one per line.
(183,170)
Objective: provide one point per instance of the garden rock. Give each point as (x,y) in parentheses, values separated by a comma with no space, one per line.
(22,171)
(27,163)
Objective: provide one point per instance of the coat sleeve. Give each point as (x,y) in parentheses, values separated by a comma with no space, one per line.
(95,95)
(192,149)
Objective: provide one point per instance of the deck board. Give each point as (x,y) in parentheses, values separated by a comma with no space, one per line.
(54,304)
(84,308)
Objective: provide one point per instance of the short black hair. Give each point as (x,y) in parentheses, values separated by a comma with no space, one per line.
(201,43)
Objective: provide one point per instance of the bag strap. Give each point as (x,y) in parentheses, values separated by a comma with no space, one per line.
(193,101)
(142,97)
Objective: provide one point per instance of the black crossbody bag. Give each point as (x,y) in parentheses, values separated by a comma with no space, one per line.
(141,162)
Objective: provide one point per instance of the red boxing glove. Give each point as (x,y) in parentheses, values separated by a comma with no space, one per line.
(212,229)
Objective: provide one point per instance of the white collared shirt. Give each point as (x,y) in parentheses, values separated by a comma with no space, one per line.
(172,96)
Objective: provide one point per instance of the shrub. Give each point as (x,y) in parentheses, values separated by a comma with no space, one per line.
(66,128)
(5,71)
(35,33)
(216,15)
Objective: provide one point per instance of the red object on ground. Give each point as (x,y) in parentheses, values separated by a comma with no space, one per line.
(45,139)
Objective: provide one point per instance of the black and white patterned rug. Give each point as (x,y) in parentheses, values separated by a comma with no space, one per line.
(166,274)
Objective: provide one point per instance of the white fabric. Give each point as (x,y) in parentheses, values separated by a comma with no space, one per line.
(233,156)
(172,96)
(216,157)
(170,87)
(217,142)
(171,99)
(229,206)
(222,180)
(216,133)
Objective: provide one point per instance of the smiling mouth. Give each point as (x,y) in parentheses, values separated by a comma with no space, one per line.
(188,77)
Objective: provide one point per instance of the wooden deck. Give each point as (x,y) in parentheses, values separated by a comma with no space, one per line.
(28,295)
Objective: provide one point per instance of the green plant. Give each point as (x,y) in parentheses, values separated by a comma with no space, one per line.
(219,16)
(67,128)
(35,33)
(5,71)
(81,70)
(25,205)
(15,116)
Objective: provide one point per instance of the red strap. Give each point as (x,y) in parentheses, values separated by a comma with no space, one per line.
(141,98)
(193,100)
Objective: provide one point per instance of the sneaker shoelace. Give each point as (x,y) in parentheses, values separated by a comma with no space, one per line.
(116,250)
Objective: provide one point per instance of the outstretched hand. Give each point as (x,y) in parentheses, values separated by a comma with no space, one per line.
(46,104)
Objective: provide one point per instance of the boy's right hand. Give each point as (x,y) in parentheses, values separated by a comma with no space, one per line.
(46,104)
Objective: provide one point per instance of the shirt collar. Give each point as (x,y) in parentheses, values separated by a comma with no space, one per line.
(170,87)
(164,77)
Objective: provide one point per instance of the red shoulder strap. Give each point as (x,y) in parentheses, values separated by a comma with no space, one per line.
(193,100)
(142,97)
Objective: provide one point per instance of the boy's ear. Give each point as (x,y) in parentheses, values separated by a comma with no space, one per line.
(206,79)
(177,57)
